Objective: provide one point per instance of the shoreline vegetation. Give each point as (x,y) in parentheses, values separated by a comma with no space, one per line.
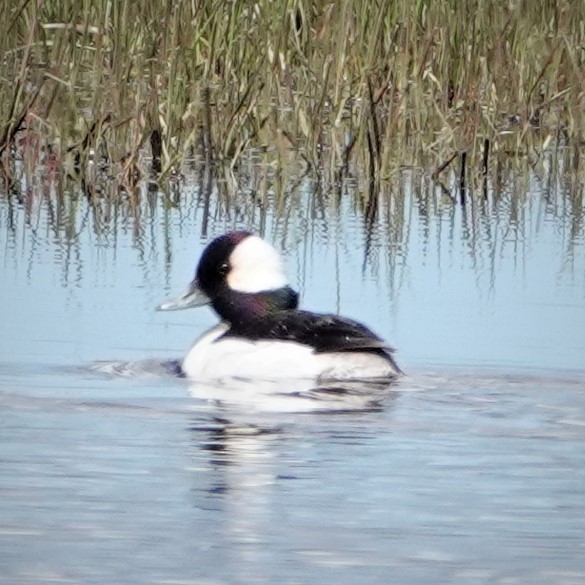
(136,90)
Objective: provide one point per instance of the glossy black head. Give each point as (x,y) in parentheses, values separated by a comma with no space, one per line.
(243,276)
(215,263)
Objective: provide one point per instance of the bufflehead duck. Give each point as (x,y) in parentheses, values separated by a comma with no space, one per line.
(262,333)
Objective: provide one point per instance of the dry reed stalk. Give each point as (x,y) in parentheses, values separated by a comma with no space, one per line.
(352,87)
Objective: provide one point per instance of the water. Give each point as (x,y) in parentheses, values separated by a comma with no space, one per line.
(470,470)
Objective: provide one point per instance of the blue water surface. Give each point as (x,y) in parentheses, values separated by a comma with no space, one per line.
(470,470)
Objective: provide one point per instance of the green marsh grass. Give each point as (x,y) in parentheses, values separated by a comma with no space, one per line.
(335,89)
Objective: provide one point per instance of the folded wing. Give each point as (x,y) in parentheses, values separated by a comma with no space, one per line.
(324,333)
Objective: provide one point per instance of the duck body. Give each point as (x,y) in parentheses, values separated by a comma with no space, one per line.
(291,344)
(262,334)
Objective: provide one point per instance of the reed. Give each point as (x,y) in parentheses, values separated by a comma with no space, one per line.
(358,88)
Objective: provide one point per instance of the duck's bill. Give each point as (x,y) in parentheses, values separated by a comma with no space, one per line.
(192,297)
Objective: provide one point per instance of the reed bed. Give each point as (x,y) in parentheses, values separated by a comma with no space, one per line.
(335,89)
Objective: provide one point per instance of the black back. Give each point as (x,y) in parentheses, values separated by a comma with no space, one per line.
(324,333)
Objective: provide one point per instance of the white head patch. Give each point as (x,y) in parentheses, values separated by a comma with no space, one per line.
(255,266)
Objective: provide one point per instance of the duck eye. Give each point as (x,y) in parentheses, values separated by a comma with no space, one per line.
(223,269)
